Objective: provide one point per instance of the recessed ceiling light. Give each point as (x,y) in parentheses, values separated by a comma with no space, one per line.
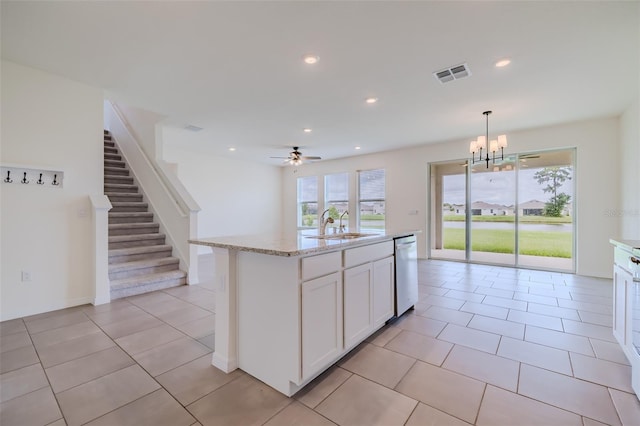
(371,100)
(306,130)
(503,63)
(357,147)
(232,149)
(310,59)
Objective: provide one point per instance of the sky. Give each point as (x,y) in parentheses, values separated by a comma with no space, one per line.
(499,188)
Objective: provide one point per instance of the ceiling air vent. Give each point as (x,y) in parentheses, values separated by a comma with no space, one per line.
(192,128)
(454,73)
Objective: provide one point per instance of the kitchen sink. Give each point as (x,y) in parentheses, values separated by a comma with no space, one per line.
(343,236)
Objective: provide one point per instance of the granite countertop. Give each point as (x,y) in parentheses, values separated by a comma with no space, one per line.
(296,244)
(632,246)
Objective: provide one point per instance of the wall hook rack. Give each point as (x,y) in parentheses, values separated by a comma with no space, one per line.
(39,175)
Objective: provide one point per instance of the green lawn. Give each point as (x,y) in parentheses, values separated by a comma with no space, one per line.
(535,243)
(509,219)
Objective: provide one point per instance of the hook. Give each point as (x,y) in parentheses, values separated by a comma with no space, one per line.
(55,181)
(40,181)
(24,179)
(8,178)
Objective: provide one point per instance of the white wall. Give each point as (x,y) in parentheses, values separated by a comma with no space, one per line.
(629,211)
(142,126)
(597,183)
(235,197)
(48,121)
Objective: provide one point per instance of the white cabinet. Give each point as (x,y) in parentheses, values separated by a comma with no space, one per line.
(321,322)
(622,282)
(358,297)
(383,291)
(368,299)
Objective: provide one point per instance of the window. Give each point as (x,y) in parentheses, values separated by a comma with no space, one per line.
(371,199)
(336,194)
(308,202)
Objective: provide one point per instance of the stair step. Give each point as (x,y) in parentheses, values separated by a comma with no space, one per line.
(123,197)
(112,156)
(109,143)
(115,163)
(130,217)
(130,207)
(132,254)
(107,135)
(146,283)
(137,240)
(118,271)
(115,171)
(122,180)
(133,228)
(120,187)
(110,150)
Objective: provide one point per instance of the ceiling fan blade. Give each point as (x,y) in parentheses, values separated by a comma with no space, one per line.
(311,158)
(281,157)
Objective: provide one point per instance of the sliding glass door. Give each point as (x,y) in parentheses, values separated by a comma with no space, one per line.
(516,212)
(493,199)
(545,211)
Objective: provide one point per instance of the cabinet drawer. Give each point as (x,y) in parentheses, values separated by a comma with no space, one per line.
(323,264)
(364,254)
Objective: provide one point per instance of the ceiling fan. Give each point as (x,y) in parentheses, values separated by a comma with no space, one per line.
(296,158)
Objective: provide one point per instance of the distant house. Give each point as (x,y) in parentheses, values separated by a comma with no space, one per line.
(480,208)
(531,208)
(372,208)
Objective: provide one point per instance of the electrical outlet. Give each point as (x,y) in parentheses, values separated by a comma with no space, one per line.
(26,276)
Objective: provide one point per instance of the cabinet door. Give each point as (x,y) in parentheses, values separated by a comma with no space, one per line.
(358,297)
(621,281)
(382,291)
(321,322)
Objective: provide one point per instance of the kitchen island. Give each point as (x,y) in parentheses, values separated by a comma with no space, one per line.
(289,306)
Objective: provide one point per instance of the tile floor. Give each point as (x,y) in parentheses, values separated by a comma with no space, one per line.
(485,345)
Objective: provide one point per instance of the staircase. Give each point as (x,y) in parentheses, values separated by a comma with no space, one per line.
(139,259)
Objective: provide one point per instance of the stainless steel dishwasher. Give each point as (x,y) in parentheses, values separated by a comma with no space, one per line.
(406,273)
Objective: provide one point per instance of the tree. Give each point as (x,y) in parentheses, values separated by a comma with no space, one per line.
(334,213)
(554,177)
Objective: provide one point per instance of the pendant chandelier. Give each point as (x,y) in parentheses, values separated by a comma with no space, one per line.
(481,143)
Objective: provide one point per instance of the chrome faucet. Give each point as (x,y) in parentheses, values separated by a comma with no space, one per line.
(341,227)
(324,222)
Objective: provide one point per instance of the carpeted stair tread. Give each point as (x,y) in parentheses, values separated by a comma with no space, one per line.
(138,250)
(136,237)
(118,171)
(146,279)
(120,187)
(130,217)
(142,264)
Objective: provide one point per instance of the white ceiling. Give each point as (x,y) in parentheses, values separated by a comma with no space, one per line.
(235,68)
